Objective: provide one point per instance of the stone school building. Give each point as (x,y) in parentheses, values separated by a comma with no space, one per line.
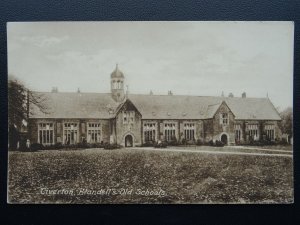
(135,119)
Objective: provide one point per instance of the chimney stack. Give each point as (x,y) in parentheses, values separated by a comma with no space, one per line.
(244,95)
(151,93)
(170,93)
(230,95)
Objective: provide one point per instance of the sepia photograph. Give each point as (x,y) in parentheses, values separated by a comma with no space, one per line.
(150,112)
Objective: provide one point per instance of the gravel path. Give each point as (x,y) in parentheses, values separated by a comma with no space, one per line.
(224,151)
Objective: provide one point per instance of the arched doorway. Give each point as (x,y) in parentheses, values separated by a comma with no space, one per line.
(224,139)
(128,141)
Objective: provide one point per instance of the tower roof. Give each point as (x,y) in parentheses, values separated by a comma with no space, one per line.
(117,73)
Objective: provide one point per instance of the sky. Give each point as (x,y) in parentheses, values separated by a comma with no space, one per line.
(188,58)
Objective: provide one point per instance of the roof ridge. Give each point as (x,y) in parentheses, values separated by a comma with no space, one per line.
(69,92)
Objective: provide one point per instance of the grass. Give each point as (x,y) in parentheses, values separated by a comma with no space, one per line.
(184,177)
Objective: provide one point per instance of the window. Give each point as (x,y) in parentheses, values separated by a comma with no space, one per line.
(237,130)
(46,133)
(189,131)
(128,117)
(224,118)
(124,117)
(70,133)
(131,116)
(169,131)
(93,132)
(149,131)
(270,131)
(253,131)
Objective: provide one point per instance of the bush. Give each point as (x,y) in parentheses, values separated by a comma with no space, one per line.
(261,142)
(211,143)
(148,144)
(36,146)
(162,144)
(199,142)
(183,141)
(112,146)
(283,141)
(219,143)
(173,143)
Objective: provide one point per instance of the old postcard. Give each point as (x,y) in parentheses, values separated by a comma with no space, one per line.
(150,112)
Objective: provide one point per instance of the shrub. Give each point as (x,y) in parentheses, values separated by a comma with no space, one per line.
(148,144)
(162,144)
(219,143)
(173,142)
(211,143)
(96,145)
(199,142)
(283,141)
(112,146)
(36,146)
(183,141)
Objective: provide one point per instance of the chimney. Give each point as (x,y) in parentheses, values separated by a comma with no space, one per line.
(244,95)
(151,93)
(230,95)
(78,90)
(170,93)
(54,90)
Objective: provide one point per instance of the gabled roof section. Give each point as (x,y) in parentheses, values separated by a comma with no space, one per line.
(252,109)
(129,104)
(216,108)
(212,110)
(175,106)
(76,105)
(202,107)
(102,106)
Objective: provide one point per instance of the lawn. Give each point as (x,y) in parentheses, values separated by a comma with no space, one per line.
(129,175)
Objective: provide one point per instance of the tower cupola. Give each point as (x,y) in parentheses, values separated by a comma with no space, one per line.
(117,85)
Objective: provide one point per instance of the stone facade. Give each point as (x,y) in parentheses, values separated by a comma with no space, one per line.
(116,118)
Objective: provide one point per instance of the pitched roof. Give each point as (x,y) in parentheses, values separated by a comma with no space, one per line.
(97,105)
(202,107)
(76,105)
(175,106)
(252,108)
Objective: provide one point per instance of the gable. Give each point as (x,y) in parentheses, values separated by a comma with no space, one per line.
(202,107)
(223,108)
(127,106)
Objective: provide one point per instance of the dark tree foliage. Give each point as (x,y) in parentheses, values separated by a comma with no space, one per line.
(19,100)
(17,107)
(286,124)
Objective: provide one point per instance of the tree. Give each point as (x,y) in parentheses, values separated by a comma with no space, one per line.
(286,123)
(20,99)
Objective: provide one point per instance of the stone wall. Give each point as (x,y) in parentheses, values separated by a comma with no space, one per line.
(58,128)
(128,128)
